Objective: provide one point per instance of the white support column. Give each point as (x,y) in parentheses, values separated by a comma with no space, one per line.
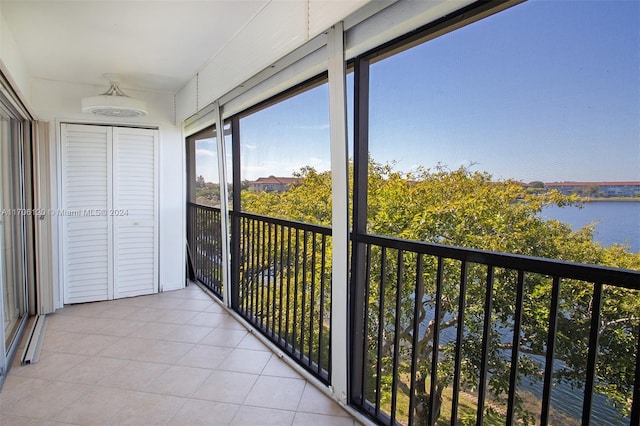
(224,204)
(340,212)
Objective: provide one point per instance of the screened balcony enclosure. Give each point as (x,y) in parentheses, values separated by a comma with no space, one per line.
(356,212)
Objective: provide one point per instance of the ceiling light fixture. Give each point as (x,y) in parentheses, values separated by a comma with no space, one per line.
(114,103)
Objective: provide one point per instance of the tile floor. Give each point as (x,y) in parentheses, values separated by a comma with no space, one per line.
(175,358)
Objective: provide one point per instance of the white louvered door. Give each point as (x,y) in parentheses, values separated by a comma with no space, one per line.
(134,212)
(86,194)
(109,212)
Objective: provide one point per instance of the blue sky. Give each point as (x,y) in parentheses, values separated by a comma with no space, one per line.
(547,90)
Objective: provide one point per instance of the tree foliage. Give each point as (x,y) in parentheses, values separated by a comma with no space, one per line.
(470,209)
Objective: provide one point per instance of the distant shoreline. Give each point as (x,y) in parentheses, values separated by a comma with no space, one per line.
(600,199)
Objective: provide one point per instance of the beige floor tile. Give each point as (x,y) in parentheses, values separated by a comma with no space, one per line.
(207,319)
(276,392)
(160,302)
(154,330)
(224,337)
(189,292)
(231,323)
(46,400)
(210,413)
(149,409)
(10,420)
(314,401)
(188,333)
(178,381)
(252,342)
(165,352)
(310,419)
(85,344)
(93,370)
(174,316)
(93,309)
(97,406)
(194,304)
(51,365)
(245,361)
(145,314)
(215,308)
(204,356)
(131,348)
(56,340)
(134,375)
(17,387)
(115,311)
(119,327)
(72,323)
(226,386)
(251,416)
(279,368)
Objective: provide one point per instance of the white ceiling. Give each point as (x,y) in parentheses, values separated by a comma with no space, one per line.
(152,45)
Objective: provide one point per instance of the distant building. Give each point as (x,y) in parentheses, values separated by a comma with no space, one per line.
(272,183)
(597,189)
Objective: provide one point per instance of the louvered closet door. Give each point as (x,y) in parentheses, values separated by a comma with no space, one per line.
(87,243)
(135,212)
(109,207)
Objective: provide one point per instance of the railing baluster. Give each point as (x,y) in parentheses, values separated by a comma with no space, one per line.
(383,279)
(515,349)
(635,404)
(246,264)
(436,343)
(294,336)
(464,273)
(267,266)
(288,284)
(303,310)
(322,302)
(312,296)
(596,304)
(396,336)
(486,338)
(255,291)
(551,344)
(281,286)
(418,294)
(263,262)
(365,335)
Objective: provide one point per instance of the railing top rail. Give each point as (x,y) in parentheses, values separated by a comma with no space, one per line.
(557,268)
(325,230)
(202,206)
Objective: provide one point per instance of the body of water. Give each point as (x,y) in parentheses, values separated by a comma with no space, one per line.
(616,221)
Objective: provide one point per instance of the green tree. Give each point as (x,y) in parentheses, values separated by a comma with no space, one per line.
(469,209)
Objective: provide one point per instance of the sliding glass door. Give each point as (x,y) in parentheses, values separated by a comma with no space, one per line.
(14,216)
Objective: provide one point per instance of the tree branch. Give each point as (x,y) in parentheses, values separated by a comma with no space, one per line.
(606,325)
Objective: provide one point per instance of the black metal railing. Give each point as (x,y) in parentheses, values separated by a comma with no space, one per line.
(458,336)
(205,245)
(284,286)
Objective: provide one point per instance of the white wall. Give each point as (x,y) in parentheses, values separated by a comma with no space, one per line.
(58,102)
(11,61)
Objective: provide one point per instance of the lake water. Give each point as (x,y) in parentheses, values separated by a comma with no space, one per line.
(616,221)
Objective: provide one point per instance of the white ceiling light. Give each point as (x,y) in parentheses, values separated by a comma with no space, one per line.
(114,103)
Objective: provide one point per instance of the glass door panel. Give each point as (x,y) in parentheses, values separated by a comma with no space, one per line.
(12,227)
